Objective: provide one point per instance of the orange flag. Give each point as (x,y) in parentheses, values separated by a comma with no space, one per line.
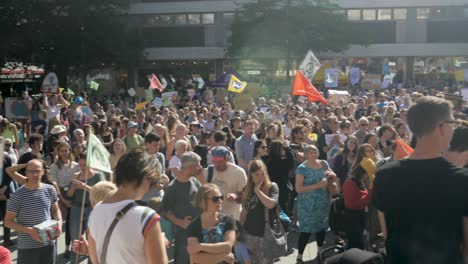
(403,149)
(303,87)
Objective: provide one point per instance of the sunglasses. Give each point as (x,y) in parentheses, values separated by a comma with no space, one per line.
(216,199)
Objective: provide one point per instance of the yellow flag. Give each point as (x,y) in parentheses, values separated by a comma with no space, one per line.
(236,85)
(459,75)
(141,105)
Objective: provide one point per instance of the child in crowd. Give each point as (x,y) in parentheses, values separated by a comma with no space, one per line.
(20,135)
(240,249)
(41,125)
(155,203)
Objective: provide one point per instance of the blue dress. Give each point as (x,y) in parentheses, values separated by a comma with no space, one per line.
(313,207)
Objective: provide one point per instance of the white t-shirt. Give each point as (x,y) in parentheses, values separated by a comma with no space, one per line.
(174,162)
(53,112)
(127,241)
(232,180)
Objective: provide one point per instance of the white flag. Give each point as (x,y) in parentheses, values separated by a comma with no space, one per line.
(98,156)
(310,65)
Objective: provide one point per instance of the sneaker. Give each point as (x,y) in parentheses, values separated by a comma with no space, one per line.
(299,261)
(67,254)
(289,251)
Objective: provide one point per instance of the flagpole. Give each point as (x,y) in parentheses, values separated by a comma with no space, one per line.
(82,209)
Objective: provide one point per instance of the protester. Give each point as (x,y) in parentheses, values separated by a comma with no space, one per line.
(230,178)
(178,202)
(416,220)
(135,173)
(259,195)
(23,213)
(211,236)
(245,145)
(313,206)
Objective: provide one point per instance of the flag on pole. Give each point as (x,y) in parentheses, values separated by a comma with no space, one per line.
(310,65)
(304,87)
(236,85)
(403,150)
(98,156)
(155,83)
(94,85)
(141,105)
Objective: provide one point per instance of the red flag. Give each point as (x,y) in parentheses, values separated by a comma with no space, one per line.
(304,87)
(403,150)
(155,83)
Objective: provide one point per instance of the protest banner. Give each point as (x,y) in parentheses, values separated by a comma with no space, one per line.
(334,96)
(371,82)
(50,83)
(15,108)
(331,78)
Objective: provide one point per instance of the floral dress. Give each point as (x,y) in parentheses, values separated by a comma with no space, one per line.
(313,207)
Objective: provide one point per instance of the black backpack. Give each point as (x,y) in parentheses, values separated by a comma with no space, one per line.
(336,217)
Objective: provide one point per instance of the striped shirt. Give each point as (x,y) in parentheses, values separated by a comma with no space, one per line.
(63,177)
(32,207)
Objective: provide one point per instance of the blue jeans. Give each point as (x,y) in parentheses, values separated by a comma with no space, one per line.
(42,255)
(75,213)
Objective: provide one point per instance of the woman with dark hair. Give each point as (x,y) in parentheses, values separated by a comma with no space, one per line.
(344,159)
(105,134)
(136,172)
(366,158)
(371,109)
(279,162)
(386,134)
(80,185)
(373,140)
(400,127)
(356,197)
(260,149)
(230,140)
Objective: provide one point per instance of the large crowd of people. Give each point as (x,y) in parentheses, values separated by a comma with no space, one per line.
(196,181)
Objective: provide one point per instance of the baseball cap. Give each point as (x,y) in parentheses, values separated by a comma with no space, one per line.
(132,124)
(196,123)
(219,152)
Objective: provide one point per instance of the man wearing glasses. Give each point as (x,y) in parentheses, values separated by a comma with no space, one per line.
(422,199)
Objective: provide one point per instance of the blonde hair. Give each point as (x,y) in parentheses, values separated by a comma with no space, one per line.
(203,194)
(254,166)
(100,191)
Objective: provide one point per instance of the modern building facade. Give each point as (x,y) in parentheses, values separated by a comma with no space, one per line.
(417,36)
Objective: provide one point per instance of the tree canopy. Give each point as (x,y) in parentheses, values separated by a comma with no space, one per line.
(289,26)
(68,33)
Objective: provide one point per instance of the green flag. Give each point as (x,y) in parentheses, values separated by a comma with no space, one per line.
(98,156)
(94,85)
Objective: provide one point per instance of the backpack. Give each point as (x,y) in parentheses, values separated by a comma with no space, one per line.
(336,217)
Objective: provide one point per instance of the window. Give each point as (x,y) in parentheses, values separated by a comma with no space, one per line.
(194,19)
(180,19)
(437,12)
(354,14)
(400,13)
(422,13)
(207,18)
(228,18)
(368,14)
(465,11)
(384,14)
(339,12)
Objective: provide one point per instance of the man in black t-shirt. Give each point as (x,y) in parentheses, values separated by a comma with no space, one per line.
(421,200)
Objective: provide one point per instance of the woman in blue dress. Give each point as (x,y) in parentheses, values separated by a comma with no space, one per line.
(313,205)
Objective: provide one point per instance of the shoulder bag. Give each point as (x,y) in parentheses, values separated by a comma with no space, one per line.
(120,214)
(274,235)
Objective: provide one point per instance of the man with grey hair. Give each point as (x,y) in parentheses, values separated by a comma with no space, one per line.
(361,133)
(177,203)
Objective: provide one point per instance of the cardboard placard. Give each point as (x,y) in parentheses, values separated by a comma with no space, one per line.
(50,83)
(371,82)
(15,108)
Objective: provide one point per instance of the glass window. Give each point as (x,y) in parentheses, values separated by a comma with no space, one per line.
(422,13)
(384,14)
(465,11)
(207,18)
(194,19)
(339,12)
(354,14)
(400,13)
(228,18)
(180,19)
(368,14)
(438,12)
